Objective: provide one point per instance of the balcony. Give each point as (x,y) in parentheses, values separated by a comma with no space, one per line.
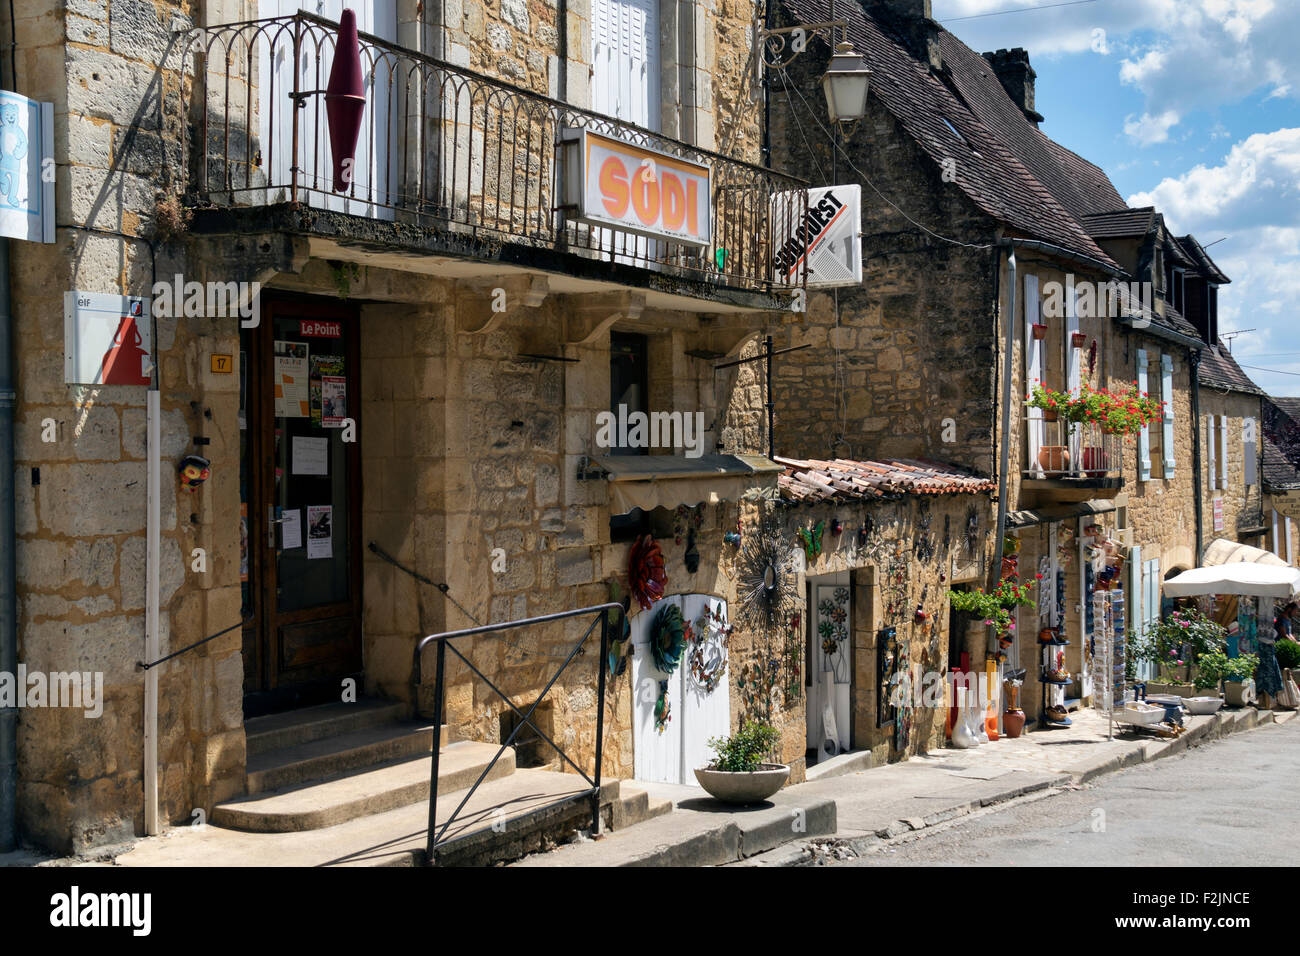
(1068,463)
(453,166)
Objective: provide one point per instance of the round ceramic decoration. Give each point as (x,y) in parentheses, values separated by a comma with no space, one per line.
(707,661)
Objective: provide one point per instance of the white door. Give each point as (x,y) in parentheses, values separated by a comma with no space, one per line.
(625,85)
(670,753)
(830,662)
(374,184)
(625,60)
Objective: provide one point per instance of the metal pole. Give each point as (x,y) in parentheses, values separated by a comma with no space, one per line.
(771,438)
(601,666)
(440,719)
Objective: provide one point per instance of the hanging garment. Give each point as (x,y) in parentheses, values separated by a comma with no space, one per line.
(1268,676)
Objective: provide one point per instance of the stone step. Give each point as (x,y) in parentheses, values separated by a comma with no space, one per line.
(532,810)
(333,756)
(365,792)
(636,805)
(288,729)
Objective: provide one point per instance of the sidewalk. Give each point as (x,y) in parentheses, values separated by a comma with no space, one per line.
(862,808)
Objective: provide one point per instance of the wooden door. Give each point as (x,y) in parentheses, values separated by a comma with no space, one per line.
(301,500)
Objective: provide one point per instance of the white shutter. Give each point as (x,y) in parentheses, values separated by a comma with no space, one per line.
(1167,396)
(1033,370)
(1223,451)
(1276,535)
(1144,437)
(625,61)
(1073,360)
(1290,555)
(1212,440)
(1134,596)
(1249,452)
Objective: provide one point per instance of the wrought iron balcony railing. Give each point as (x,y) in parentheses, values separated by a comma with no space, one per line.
(1064,450)
(448,148)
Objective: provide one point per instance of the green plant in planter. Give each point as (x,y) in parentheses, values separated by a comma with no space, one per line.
(1214,666)
(744,750)
(994,607)
(1184,637)
(1288,653)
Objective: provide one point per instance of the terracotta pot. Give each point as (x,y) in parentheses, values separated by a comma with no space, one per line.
(1078,339)
(1054,458)
(1095,461)
(1050,415)
(1013,723)
(1040,331)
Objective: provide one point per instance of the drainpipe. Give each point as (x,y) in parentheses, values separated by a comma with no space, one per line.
(153,550)
(1004,451)
(8,576)
(1194,365)
(8,581)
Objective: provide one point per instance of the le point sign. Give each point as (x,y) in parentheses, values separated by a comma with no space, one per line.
(639,190)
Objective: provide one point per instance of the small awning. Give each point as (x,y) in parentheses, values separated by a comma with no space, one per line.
(1025,519)
(1259,580)
(1223,551)
(667,481)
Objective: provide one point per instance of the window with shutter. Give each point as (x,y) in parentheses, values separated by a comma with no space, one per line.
(1211,443)
(1033,371)
(1167,396)
(1249,452)
(1144,437)
(1073,360)
(1223,451)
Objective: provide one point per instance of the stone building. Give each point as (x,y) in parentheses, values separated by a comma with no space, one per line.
(402,418)
(1281,471)
(957,176)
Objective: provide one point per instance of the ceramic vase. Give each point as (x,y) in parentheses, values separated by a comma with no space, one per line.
(961,734)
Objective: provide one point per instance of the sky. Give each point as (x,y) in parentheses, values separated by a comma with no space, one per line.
(1192,106)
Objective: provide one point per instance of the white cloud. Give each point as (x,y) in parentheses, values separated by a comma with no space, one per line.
(1253,198)
(1149,129)
(1182,55)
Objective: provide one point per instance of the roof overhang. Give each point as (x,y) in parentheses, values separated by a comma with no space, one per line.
(1025,519)
(667,481)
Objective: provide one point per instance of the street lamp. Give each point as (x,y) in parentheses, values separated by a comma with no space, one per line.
(845,84)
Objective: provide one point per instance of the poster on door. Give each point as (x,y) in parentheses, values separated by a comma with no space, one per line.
(289,379)
(26,168)
(320,531)
(106,339)
(328,391)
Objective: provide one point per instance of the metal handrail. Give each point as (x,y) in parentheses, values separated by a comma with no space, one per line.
(465,150)
(443,641)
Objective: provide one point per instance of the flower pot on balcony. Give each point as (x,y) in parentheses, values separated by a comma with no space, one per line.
(1078,339)
(1050,415)
(1095,461)
(1054,458)
(1040,331)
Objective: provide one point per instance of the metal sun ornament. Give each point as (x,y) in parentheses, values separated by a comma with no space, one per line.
(766,579)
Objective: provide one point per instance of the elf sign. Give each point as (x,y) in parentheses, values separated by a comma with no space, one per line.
(634,189)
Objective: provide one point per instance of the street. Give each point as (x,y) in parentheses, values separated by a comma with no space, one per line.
(1228,803)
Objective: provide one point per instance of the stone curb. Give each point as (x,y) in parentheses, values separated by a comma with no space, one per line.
(1222,724)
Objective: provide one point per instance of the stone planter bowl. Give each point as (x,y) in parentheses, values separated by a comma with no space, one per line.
(742,788)
(1202,705)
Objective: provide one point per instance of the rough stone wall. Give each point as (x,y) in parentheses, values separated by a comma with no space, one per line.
(81,503)
(1242,504)
(907,367)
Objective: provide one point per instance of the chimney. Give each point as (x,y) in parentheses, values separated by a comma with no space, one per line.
(1017,77)
(910,20)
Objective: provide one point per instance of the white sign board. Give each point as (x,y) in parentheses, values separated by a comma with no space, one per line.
(106,339)
(26,180)
(634,189)
(827,239)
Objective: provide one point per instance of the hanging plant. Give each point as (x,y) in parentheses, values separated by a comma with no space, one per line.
(668,638)
(646,576)
(766,579)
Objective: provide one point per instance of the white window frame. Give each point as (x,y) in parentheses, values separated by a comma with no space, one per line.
(1144,436)
(1033,373)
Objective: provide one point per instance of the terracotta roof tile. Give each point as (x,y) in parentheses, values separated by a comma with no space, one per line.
(819,480)
(1219,368)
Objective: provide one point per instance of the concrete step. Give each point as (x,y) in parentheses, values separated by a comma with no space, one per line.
(365,792)
(333,756)
(293,727)
(397,837)
(852,761)
(636,805)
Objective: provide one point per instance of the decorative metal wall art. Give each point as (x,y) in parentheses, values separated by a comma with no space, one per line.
(766,579)
(707,660)
(668,638)
(812,540)
(646,576)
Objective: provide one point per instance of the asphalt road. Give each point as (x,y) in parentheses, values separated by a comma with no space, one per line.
(1231,802)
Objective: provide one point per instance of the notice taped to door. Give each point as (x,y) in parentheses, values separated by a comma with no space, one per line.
(320,531)
(290,380)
